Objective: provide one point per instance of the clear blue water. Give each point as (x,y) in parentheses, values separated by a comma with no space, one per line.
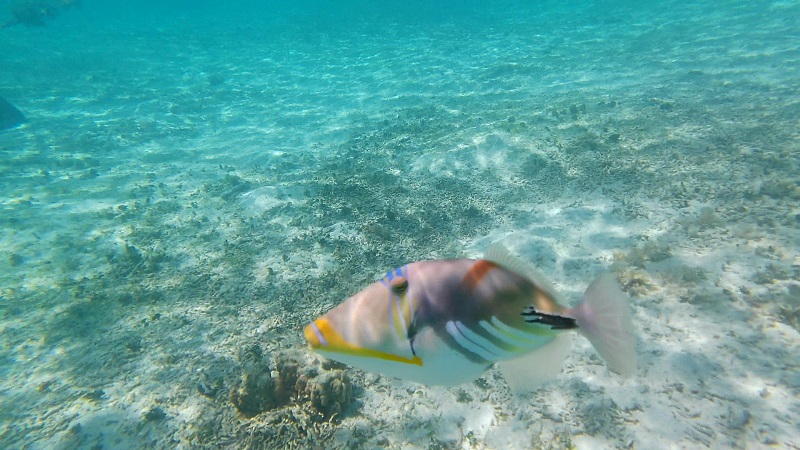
(198,180)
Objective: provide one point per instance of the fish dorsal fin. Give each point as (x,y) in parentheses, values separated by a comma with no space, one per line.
(500,255)
(528,372)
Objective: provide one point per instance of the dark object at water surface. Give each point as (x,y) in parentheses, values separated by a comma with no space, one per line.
(34,13)
(10,116)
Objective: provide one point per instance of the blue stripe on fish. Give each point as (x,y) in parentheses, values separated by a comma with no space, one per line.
(395,301)
(398,272)
(404,325)
(391,310)
(319,334)
(385,281)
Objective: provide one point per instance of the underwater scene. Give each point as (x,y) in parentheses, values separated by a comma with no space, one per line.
(188,188)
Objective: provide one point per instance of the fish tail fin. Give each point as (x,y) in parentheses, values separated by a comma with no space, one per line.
(605,319)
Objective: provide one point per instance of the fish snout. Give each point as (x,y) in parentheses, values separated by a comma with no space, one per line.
(314,335)
(311,337)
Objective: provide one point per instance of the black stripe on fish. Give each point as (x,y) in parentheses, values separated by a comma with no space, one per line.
(451,336)
(556,322)
(412,332)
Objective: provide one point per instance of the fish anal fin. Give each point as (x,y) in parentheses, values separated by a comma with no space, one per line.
(526,373)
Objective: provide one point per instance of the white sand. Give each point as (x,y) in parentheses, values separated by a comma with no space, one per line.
(164,223)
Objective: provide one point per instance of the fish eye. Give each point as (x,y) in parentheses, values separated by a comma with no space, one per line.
(399,285)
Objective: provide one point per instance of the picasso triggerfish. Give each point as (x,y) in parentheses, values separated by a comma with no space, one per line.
(446,322)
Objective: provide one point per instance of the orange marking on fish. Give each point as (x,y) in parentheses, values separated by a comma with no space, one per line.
(476,273)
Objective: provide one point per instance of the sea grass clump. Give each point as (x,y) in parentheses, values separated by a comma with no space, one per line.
(254,394)
(640,256)
(636,282)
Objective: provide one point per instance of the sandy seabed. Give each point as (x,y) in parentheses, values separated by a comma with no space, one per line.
(169,226)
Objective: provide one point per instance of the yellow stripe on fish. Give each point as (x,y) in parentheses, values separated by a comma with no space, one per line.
(321,335)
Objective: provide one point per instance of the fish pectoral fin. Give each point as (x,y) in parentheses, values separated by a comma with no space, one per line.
(555,321)
(528,372)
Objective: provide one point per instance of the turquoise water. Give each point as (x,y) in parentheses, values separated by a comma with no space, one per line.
(195,182)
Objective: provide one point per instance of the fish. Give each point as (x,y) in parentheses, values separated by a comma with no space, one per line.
(10,116)
(446,322)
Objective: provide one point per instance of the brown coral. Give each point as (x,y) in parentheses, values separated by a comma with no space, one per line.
(329,393)
(254,394)
(324,395)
